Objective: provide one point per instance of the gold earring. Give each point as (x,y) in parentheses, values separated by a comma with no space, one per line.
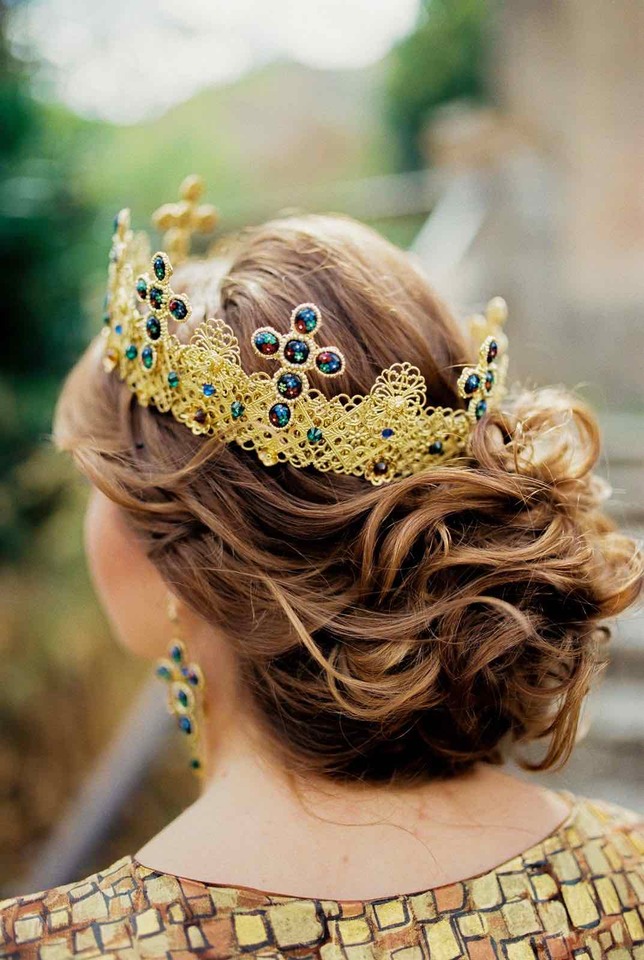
(185,692)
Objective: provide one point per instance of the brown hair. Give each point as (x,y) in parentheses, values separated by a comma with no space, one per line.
(390,632)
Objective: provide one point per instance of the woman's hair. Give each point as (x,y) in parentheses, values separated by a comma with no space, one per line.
(396,632)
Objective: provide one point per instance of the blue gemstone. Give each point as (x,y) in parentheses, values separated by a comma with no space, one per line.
(290,385)
(148,357)
(131,352)
(266,342)
(314,434)
(489,379)
(296,351)
(118,328)
(159,268)
(472,383)
(163,672)
(236,409)
(492,351)
(279,414)
(153,327)
(208,390)
(328,362)
(436,446)
(142,288)
(173,379)
(182,697)
(190,676)
(176,654)
(480,409)
(306,320)
(185,724)
(387,432)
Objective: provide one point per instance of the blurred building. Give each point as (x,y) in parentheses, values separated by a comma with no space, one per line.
(564,155)
(557,171)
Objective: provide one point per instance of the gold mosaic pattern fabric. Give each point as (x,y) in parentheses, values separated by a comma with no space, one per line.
(579,894)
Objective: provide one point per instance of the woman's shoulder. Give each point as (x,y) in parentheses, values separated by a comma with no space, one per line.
(585,880)
(83,917)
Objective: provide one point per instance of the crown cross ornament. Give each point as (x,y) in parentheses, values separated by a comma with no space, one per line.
(389,432)
(297,352)
(178,221)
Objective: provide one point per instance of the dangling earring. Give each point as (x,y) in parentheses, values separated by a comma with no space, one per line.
(185,692)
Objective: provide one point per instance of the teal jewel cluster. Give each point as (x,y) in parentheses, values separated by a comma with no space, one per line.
(297,352)
(185,687)
(163,302)
(475,383)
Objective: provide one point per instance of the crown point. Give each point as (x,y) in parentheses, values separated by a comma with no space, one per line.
(207,218)
(164,218)
(192,187)
(497,311)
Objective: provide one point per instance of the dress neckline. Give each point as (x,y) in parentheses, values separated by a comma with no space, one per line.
(574,803)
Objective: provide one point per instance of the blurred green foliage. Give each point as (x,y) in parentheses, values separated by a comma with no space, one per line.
(43,220)
(443,59)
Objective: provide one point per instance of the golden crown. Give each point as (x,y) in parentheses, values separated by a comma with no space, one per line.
(388,433)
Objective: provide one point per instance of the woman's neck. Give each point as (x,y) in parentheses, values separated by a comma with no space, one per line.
(256,825)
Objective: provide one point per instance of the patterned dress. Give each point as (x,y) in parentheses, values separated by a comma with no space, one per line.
(579,893)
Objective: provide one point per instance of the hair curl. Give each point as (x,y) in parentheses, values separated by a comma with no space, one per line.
(393,632)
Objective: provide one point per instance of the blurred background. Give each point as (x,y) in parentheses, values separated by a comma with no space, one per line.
(502,142)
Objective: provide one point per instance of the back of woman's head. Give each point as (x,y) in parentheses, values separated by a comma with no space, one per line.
(397,631)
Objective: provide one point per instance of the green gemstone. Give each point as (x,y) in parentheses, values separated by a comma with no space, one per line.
(195,764)
(182,697)
(314,434)
(163,672)
(173,379)
(236,409)
(130,352)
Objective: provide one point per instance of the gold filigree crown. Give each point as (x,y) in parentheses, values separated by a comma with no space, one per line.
(388,433)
